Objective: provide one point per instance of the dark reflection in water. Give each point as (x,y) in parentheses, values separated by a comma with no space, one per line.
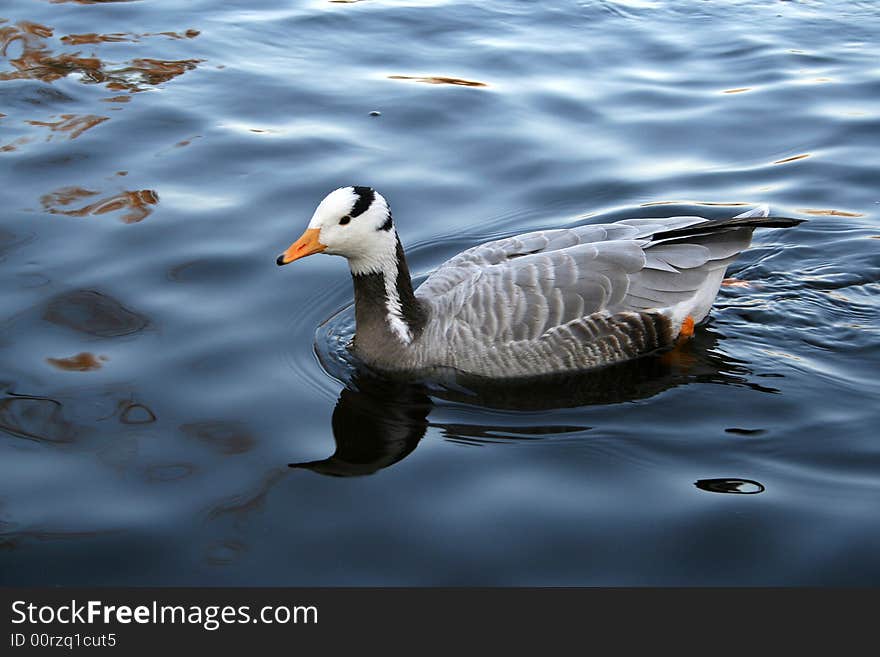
(378,422)
(224,436)
(730,486)
(135,413)
(10,241)
(471,434)
(36,418)
(93,313)
(696,361)
(14,540)
(169,472)
(745,432)
(240,506)
(224,553)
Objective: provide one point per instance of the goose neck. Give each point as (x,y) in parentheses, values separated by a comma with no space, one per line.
(386,308)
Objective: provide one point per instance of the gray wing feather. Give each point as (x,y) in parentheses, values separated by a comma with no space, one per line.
(462,266)
(531,285)
(677,272)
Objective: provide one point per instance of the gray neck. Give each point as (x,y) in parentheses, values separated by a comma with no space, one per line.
(383,322)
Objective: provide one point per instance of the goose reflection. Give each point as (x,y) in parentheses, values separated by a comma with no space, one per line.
(377,422)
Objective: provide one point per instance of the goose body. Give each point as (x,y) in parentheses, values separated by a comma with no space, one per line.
(546,302)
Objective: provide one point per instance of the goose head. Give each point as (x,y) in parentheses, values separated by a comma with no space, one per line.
(353,222)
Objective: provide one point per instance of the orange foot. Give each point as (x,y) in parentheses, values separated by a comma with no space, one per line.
(687,329)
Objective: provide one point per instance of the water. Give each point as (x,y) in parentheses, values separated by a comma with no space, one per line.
(159,372)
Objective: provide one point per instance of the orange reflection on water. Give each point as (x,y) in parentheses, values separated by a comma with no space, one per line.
(830,213)
(712,203)
(37,62)
(793,158)
(157,71)
(72,124)
(439,80)
(31,36)
(78,39)
(81,362)
(735,282)
(138,204)
(13,145)
(116,37)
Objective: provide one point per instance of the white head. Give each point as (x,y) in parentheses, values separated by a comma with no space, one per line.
(354,222)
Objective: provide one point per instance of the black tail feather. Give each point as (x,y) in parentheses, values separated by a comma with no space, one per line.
(716,225)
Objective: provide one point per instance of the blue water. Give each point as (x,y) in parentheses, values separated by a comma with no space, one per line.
(159,373)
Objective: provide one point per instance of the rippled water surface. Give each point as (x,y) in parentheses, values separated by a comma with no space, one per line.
(160,373)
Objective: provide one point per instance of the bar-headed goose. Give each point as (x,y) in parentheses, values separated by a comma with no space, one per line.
(545,302)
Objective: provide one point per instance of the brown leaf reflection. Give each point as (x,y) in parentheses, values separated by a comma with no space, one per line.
(157,71)
(82,362)
(65,196)
(116,37)
(72,124)
(11,146)
(79,39)
(793,158)
(37,61)
(137,204)
(709,203)
(439,80)
(829,213)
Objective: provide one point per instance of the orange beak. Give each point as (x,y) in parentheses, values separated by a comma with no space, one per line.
(305,245)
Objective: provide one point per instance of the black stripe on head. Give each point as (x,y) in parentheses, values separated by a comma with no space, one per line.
(387,225)
(364,201)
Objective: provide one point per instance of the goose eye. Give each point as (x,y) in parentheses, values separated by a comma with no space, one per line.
(344,220)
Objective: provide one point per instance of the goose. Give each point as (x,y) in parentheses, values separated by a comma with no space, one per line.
(547,302)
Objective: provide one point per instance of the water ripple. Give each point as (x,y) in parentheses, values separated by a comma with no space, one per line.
(157,156)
